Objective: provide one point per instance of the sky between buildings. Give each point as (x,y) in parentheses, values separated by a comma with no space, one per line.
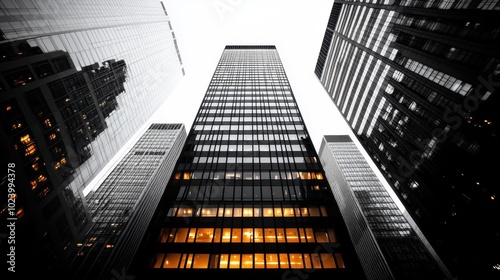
(204,27)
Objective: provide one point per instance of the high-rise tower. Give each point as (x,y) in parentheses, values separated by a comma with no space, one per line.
(418,82)
(77,79)
(248,197)
(389,244)
(122,205)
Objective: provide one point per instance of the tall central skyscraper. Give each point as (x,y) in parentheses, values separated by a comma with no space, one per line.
(248,198)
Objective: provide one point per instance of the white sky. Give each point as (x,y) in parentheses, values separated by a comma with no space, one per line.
(204,27)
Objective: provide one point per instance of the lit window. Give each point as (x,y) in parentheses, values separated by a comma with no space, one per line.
(224,261)
(171,260)
(26,139)
(47,123)
(247,261)
(296,261)
(327,260)
(201,261)
(271,260)
(259,261)
(30,150)
(204,235)
(234,261)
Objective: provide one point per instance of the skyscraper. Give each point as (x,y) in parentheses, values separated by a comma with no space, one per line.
(247,198)
(123,204)
(417,82)
(78,78)
(388,244)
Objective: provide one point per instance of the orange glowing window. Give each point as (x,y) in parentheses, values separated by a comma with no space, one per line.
(247,235)
(191,235)
(204,235)
(278,212)
(268,212)
(280,235)
(236,235)
(217,235)
(288,212)
(284,261)
(26,139)
(315,259)
(270,235)
(226,235)
(201,261)
(187,176)
(177,176)
(327,260)
(247,261)
(31,149)
(181,235)
(258,235)
(47,123)
(272,261)
(234,261)
(171,260)
(259,261)
(296,261)
(223,261)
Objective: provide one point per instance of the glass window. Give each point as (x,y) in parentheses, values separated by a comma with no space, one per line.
(284,261)
(181,235)
(270,235)
(271,260)
(204,235)
(224,261)
(201,261)
(315,259)
(258,235)
(280,235)
(340,260)
(158,260)
(217,235)
(236,236)
(247,235)
(226,235)
(296,261)
(192,234)
(328,261)
(292,235)
(234,261)
(172,261)
(321,236)
(259,261)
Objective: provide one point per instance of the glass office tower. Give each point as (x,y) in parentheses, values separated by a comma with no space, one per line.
(389,245)
(77,79)
(248,197)
(417,81)
(122,205)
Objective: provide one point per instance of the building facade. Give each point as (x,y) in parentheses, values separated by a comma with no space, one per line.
(77,79)
(387,244)
(417,82)
(123,204)
(248,198)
